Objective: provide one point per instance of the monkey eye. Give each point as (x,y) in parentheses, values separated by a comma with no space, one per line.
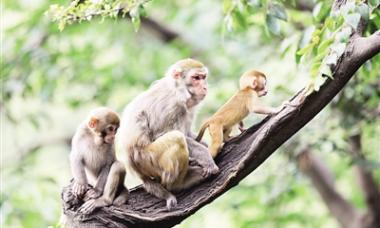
(110,128)
(199,77)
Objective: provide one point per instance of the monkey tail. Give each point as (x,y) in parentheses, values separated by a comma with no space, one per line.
(202,131)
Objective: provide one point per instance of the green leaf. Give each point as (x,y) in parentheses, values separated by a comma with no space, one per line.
(61,25)
(338,48)
(272,24)
(344,35)
(317,9)
(136,21)
(305,50)
(277,11)
(324,45)
(306,36)
(135,17)
(298,58)
(321,11)
(142,11)
(374,3)
(227,6)
(331,59)
(318,82)
(239,20)
(228,21)
(314,69)
(326,70)
(352,19)
(363,9)
(255,3)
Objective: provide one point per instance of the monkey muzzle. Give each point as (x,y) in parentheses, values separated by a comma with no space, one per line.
(109,139)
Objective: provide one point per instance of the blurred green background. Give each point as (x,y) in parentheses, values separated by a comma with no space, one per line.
(50,80)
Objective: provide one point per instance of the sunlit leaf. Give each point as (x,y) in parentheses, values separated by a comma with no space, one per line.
(374,3)
(344,35)
(363,9)
(331,59)
(277,11)
(353,19)
(338,48)
(272,24)
(324,45)
(326,70)
(227,6)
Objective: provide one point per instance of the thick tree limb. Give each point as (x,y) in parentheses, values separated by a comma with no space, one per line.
(322,179)
(367,183)
(238,158)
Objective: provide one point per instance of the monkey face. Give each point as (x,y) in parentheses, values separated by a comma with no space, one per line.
(259,85)
(109,133)
(196,81)
(104,123)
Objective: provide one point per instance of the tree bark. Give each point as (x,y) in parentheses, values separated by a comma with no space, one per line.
(367,183)
(238,158)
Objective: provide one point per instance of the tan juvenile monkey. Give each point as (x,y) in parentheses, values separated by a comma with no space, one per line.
(93,161)
(243,102)
(155,132)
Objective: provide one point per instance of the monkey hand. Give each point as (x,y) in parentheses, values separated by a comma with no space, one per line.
(78,189)
(92,193)
(171,202)
(288,103)
(88,207)
(242,129)
(211,170)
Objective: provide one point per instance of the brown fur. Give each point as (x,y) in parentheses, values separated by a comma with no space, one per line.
(155,132)
(243,102)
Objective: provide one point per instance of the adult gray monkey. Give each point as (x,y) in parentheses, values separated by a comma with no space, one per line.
(155,132)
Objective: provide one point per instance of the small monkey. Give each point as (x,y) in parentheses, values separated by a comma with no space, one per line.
(93,161)
(243,102)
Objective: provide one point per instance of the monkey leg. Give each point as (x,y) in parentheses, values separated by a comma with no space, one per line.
(121,198)
(216,133)
(170,156)
(194,176)
(160,192)
(115,181)
(226,134)
(200,156)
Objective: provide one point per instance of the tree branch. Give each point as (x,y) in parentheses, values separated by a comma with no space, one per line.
(367,47)
(165,33)
(366,181)
(238,158)
(322,179)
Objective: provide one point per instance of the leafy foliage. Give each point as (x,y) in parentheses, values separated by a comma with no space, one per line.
(53,73)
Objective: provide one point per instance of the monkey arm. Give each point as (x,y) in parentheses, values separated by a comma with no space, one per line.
(241,126)
(266,110)
(77,168)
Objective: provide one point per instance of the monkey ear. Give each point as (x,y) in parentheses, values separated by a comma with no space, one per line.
(93,122)
(176,73)
(254,83)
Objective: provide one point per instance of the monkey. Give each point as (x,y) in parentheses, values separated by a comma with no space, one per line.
(245,101)
(93,161)
(155,132)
